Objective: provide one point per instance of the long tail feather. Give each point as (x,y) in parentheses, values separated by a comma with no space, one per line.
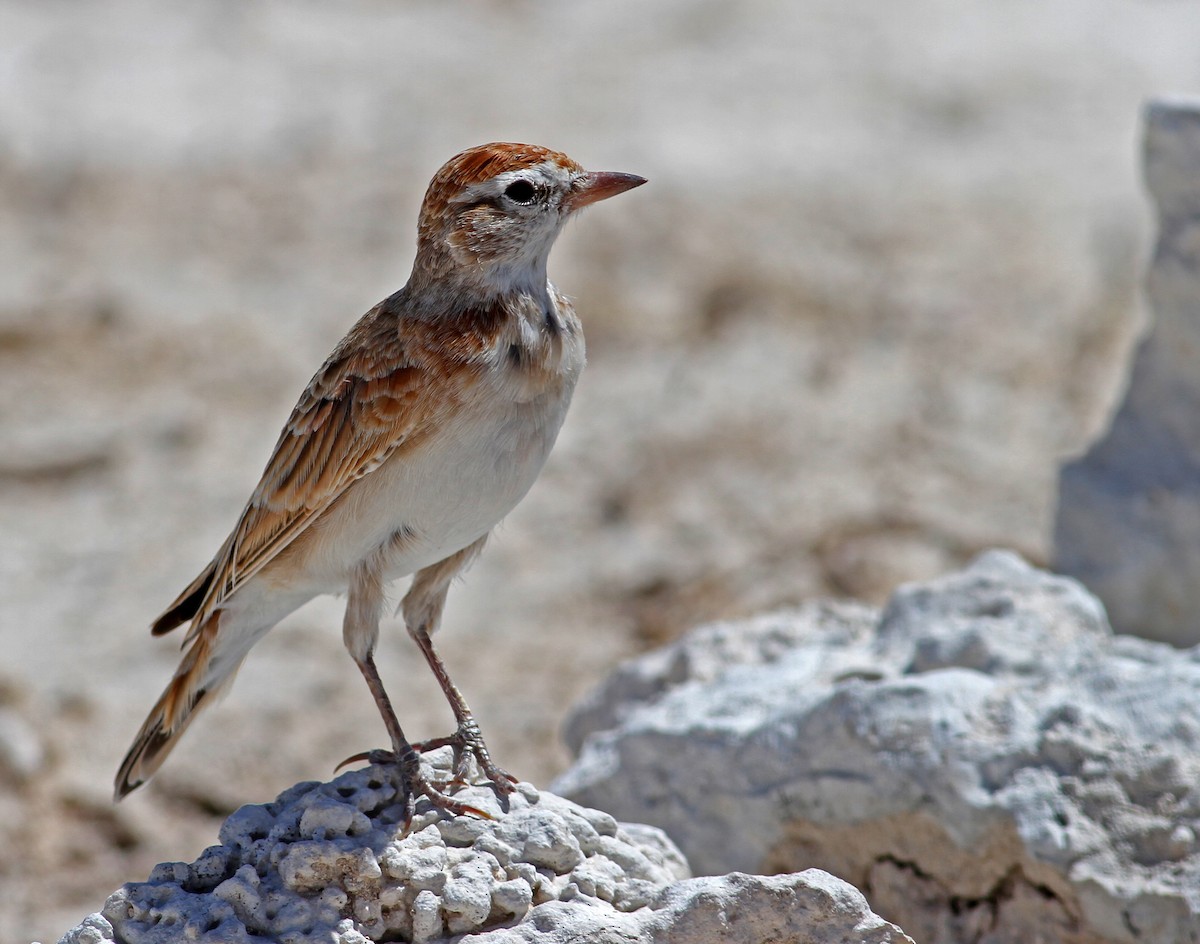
(196,684)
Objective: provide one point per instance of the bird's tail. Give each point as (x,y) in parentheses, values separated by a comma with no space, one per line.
(199,679)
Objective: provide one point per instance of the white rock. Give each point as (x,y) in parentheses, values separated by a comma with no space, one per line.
(426,917)
(92,930)
(543,871)
(809,907)
(983,754)
(1129,510)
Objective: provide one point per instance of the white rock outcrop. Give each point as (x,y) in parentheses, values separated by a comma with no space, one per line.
(1128,522)
(334,863)
(984,759)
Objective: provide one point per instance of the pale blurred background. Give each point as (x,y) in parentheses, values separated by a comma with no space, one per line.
(883,279)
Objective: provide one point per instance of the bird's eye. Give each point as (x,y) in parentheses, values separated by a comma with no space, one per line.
(520,191)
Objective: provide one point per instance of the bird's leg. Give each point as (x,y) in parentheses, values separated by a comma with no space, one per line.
(422,609)
(360,631)
(467,741)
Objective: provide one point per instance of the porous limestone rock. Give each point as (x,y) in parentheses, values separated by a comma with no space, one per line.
(334,863)
(1128,522)
(984,759)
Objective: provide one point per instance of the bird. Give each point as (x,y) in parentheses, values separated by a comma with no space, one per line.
(425,426)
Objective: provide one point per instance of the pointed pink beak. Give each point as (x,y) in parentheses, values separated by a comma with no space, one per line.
(600,185)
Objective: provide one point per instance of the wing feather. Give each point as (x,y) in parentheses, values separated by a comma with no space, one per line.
(377,392)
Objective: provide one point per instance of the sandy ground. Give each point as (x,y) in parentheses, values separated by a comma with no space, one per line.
(882,281)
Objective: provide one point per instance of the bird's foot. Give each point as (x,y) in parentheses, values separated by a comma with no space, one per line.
(414,783)
(467,744)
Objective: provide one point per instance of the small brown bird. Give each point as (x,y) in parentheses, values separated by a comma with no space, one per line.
(427,424)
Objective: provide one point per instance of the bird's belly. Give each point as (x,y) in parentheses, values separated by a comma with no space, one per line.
(431,500)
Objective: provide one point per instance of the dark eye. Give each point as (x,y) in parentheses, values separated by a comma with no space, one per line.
(520,191)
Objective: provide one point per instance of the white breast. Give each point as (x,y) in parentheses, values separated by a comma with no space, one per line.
(428,502)
(471,479)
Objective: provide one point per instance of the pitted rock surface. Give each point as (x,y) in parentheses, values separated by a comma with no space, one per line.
(333,863)
(334,859)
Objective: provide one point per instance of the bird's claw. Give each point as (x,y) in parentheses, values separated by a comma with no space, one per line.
(415,783)
(467,744)
(375,758)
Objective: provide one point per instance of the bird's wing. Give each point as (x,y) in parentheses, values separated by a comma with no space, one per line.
(377,394)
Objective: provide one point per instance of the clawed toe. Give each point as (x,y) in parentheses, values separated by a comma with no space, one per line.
(376,758)
(422,787)
(467,744)
(415,784)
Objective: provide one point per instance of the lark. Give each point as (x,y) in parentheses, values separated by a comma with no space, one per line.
(426,425)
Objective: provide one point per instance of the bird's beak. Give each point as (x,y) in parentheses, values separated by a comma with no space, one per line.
(600,185)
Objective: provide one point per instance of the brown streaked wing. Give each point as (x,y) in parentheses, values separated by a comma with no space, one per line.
(371,397)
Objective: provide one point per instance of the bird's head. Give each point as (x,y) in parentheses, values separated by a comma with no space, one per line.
(492,213)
